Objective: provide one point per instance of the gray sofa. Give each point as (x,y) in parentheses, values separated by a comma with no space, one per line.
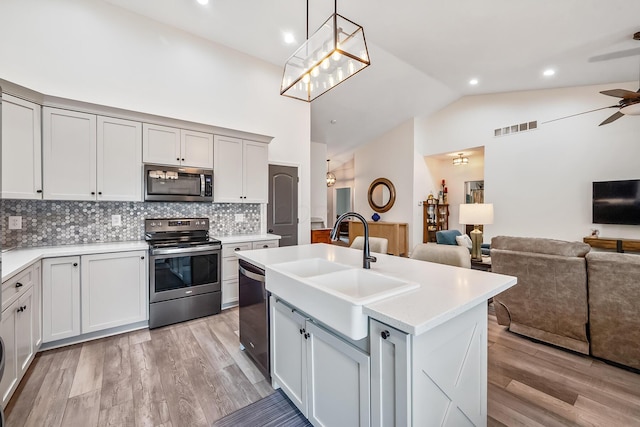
(571,297)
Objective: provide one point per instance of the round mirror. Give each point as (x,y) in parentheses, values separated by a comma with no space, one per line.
(382,195)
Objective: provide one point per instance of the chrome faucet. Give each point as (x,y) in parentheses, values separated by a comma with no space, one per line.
(367,259)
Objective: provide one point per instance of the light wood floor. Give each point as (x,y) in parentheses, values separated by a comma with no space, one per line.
(193,373)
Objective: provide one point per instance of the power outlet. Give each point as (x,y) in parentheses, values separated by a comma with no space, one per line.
(15,223)
(116,220)
(239,217)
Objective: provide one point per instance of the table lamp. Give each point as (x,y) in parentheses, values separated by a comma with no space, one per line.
(476,214)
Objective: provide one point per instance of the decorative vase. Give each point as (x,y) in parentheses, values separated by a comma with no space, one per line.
(375,217)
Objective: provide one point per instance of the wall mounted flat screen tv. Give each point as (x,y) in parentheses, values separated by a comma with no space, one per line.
(616,202)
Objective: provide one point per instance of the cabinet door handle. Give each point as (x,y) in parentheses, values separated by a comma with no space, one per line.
(183,160)
(19,310)
(99,193)
(75,264)
(141,257)
(301,331)
(38,191)
(265,246)
(306,336)
(385,334)
(178,158)
(24,307)
(93,193)
(236,249)
(270,230)
(18,285)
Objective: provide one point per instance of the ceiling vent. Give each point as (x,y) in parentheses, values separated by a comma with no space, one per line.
(522,127)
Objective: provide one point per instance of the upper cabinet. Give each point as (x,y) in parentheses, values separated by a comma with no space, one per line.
(88,157)
(21,145)
(241,171)
(177,147)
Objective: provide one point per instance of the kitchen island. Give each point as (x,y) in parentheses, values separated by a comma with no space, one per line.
(419,358)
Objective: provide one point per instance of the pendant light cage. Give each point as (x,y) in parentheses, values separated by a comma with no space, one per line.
(334,53)
(331,178)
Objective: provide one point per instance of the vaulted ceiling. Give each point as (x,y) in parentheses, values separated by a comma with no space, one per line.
(425,52)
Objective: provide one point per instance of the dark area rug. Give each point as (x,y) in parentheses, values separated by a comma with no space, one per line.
(273,410)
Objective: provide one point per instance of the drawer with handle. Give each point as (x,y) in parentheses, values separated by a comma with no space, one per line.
(14,287)
(228,250)
(265,244)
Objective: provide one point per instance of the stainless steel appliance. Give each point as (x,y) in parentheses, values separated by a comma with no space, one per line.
(253,299)
(177,184)
(184,270)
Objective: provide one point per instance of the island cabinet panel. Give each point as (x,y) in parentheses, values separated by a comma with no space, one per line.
(338,380)
(390,375)
(449,372)
(114,290)
(327,378)
(60,298)
(289,353)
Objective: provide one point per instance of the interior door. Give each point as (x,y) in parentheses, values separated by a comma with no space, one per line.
(282,209)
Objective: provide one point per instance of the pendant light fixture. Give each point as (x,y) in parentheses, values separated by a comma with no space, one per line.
(331,178)
(335,52)
(460,160)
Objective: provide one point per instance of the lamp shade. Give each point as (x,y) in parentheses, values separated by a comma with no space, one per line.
(476,213)
(335,52)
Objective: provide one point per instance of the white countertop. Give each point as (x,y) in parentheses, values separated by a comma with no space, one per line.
(246,238)
(444,292)
(15,260)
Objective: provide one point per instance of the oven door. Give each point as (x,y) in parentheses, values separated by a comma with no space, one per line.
(182,272)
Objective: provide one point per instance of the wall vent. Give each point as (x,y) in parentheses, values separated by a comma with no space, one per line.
(522,127)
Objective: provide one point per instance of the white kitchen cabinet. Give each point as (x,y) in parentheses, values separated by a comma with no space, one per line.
(37,305)
(241,171)
(69,155)
(289,353)
(113,289)
(177,147)
(119,160)
(60,298)
(18,327)
(22,148)
(88,157)
(327,378)
(230,268)
(433,379)
(390,379)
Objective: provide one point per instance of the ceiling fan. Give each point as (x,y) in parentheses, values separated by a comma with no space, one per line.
(628,105)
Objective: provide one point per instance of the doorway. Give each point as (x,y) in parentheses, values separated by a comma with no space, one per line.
(342,203)
(282,209)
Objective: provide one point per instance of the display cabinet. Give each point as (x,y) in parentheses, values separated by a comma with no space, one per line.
(435,218)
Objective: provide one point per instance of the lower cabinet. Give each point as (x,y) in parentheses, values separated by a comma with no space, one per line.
(433,379)
(20,327)
(113,288)
(230,268)
(327,378)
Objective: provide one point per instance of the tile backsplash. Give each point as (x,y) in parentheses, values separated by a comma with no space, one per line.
(53,222)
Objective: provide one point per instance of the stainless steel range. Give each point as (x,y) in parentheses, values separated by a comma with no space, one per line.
(184,270)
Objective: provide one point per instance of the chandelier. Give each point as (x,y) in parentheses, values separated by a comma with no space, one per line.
(331,178)
(460,160)
(335,52)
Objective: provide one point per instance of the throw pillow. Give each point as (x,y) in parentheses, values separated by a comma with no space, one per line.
(465,241)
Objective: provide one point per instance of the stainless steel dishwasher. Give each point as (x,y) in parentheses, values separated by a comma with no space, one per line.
(253,300)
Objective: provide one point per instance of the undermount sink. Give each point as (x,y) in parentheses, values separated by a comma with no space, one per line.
(333,293)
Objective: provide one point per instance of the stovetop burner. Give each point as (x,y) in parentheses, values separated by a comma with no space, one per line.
(178,232)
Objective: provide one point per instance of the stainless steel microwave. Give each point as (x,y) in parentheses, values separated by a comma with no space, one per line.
(177,184)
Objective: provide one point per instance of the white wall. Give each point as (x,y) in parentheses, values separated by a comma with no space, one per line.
(92,51)
(319,181)
(390,156)
(540,181)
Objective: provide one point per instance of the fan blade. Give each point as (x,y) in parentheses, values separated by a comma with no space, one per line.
(615,55)
(621,93)
(612,118)
(579,114)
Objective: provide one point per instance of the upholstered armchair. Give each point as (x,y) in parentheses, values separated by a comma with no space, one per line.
(549,302)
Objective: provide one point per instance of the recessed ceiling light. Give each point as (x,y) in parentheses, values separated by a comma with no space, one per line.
(334,121)
(473,82)
(288,38)
(203,2)
(549,72)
